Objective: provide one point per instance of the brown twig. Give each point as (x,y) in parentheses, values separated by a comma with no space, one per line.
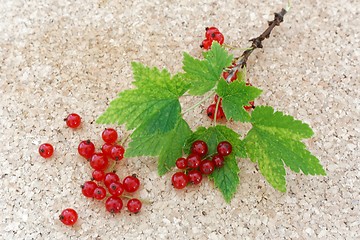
(256,43)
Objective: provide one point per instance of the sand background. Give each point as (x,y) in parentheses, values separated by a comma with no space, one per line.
(58,57)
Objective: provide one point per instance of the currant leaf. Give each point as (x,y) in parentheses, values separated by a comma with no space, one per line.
(275,140)
(168,146)
(234,96)
(204,74)
(153,107)
(226,178)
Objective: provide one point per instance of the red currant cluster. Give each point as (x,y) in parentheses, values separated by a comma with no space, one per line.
(197,163)
(99,161)
(212,34)
(103,178)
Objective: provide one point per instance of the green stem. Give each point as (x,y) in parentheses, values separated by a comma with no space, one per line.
(198,103)
(124,139)
(216,109)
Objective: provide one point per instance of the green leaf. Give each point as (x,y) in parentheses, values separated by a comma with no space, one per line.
(275,141)
(204,74)
(235,96)
(226,178)
(153,107)
(168,146)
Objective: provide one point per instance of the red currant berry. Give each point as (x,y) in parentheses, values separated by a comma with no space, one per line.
(207,167)
(195,176)
(113,204)
(131,183)
(206,44)
(233,78)
(116,189)
(46,150)
(181,163)
(224,148)
(98,175)
(117,152)
(211,112)
(99,161)
(179,180)
(217,36)
(110,178)
(86,149)
(99,193)
(88,188)
(134,205)
(68,216)
(106,149)
(73,120)
(248,83)
(193,160)
(209,31)
(216,97)
(199,147)
(109,135)
(250,107)
(218,160)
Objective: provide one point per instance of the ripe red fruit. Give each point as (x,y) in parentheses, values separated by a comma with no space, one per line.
(46,150)
(224,148)
(181,163)
(249,107)
(199,147)
(109,135)
(88,188)
(211,112)
(131,183)
(233,78)
(68,216)
(73,120)
(99,161)
(113,204)
(106,149)
(86,149)
(217,36)
(117,152)
(99,193)
(195,176)
(216,97)
(179,180)
(98,175)
(134,205)
(110,178)
(193,160)
(207,167)
(206,44)
(209,31)
(218,160)
(116,189)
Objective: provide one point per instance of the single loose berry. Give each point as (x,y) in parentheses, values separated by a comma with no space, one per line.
(117,152)
(110,178)
(206,44)
(98,175)
(106,149)
(134,205)
(224,148)
(116,189)
(86,149)
(181,163)
(193,160)
(73,120)
(109,135)
(131,183)
(211,112)
(207,167)
(195,176)
(218,37)
(114,204)
(88,188)
(68,216)
(46,150)
(218,160)
(209,31)
(99,193)
(179,180)
(199,147)
(99,161)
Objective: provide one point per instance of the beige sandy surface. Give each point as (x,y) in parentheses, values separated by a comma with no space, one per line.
(58,57)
